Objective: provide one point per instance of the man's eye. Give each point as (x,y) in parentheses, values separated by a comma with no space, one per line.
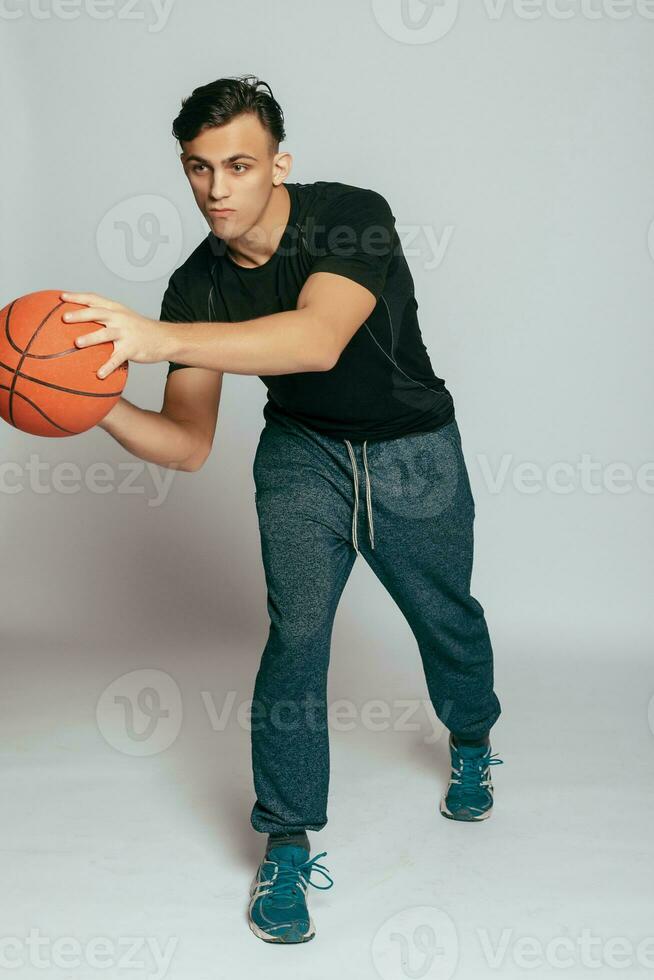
(198,167)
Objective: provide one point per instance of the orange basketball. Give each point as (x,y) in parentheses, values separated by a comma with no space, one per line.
(48,386)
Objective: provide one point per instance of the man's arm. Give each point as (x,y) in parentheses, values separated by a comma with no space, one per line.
(178,437)
(151,436)
(330,309)
(337,297)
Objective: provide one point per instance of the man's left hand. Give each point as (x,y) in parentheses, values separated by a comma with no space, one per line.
(135,337)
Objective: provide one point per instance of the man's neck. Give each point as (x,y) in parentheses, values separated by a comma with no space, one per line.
(267,233)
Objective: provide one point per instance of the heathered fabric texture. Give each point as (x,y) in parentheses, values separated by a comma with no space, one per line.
(423,514)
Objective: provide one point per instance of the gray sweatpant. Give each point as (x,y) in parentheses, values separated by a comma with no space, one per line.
(406,505)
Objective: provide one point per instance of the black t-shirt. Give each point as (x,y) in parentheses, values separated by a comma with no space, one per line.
(383,384)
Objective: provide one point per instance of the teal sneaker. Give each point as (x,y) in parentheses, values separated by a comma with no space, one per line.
(469,794)
(278,912)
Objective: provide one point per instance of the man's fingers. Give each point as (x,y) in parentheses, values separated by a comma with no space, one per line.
(86,299)
(110,366)
(97,337)
(87,314)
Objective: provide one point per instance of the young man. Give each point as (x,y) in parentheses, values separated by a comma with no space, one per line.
(306,286)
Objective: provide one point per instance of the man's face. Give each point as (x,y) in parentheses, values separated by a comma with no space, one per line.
(233,167)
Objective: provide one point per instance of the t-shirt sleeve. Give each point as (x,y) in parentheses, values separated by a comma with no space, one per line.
(175,309)
(354,237)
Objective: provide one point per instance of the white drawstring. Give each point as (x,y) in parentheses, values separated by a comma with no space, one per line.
(355,472)
(356,496)
(371,529)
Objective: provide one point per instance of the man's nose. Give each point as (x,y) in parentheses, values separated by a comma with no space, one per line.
(218,189)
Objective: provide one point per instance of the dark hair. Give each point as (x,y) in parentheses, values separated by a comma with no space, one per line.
(219,102)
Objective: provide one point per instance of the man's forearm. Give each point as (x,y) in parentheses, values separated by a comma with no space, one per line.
(153,436)
(282,343)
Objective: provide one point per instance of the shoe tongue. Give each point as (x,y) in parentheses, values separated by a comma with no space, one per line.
(291,853)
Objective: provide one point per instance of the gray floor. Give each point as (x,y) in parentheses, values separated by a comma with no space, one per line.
(148,844)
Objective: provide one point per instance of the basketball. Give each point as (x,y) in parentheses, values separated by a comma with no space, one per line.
(48,386)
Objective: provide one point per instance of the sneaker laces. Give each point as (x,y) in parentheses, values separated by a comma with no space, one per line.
(471,770)
(287,879)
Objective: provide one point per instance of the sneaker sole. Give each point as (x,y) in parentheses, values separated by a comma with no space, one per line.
(279,940)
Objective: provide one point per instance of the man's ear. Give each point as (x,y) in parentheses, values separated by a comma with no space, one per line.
(282,163)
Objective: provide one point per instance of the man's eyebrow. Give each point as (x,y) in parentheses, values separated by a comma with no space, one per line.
(232,159)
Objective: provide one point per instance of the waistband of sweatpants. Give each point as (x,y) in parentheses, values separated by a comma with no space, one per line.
(334,442)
